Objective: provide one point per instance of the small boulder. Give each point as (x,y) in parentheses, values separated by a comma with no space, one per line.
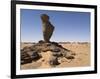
(54,61)
(70,57)
(35,55)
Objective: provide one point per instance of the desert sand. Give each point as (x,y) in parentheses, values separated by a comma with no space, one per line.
(82,56)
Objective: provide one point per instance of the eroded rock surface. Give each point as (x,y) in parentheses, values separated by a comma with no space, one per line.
(33,53)
(54,61)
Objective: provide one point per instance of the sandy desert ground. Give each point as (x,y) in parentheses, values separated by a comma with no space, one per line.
(82,56)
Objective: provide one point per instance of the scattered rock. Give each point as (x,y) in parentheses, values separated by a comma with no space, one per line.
(70,57)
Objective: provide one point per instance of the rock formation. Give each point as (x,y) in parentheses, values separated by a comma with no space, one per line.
(33,53)
(48,28)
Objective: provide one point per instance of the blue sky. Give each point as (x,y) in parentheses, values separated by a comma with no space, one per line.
(69,26)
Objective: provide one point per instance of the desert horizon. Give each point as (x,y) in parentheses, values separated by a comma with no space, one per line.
(68,42)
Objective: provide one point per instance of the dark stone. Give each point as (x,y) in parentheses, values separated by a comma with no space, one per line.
(55,43)
(48,28)
(70,57)
(26,60)
(35,55)
(41,42)
(24,55)
(54,61)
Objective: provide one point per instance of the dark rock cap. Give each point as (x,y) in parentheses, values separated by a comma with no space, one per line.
(44,16)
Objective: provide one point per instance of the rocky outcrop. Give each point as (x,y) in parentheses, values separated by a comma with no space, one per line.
(33,53)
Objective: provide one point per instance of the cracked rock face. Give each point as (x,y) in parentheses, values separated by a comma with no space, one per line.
(34,52)
(25,58)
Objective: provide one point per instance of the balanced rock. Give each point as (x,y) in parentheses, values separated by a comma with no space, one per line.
(33,52)
(48,28)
